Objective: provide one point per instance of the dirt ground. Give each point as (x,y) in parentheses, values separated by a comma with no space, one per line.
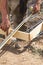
(27,54)
(30,55)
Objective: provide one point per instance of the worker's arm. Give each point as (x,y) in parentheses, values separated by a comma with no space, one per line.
(5,20)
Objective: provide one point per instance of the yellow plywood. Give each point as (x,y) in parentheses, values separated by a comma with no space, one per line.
(22,35)
(18,34)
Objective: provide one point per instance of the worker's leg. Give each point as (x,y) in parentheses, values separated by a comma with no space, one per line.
(23,6)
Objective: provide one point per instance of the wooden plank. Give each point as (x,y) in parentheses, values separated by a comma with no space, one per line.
(35,31)
(18,34)
(42,26)
(2,32)
(22,35)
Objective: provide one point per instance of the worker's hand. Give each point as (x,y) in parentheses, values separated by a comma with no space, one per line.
(36,8)
(5,25)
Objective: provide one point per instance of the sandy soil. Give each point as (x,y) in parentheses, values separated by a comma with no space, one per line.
(30,55)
